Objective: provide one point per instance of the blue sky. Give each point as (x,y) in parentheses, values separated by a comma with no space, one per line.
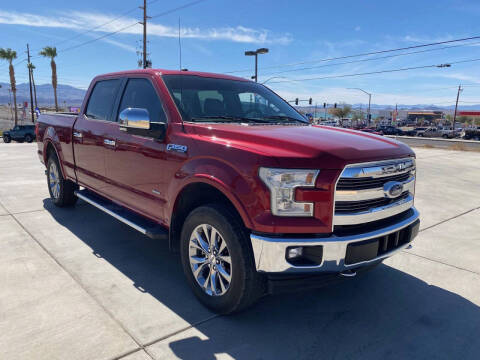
(215,34)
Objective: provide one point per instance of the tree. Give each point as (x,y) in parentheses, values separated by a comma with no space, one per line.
(357,115)
(51,52)
(31,67)
(10,55)
(341,112)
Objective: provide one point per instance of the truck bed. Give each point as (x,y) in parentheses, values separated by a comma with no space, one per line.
(56,128)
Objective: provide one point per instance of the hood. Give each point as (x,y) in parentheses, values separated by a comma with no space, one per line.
(333,147)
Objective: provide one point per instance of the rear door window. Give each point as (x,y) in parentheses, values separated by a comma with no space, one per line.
(102,99)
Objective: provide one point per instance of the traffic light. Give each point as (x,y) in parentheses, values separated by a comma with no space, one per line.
(335,105)
(310,101)
(324,105)
(296,101)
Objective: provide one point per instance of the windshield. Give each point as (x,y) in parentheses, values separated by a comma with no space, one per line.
(221,100)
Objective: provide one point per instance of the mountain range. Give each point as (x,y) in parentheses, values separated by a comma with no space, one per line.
(73,96)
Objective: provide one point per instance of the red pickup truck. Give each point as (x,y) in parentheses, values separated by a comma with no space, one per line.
(253,197)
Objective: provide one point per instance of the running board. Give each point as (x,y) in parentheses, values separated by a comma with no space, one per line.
(139,223)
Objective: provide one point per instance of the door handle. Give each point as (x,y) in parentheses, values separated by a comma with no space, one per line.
(109,142)
(77,134)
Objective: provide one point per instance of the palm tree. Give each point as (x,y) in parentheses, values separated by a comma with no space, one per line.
(51,52)
(10,55)
(31,67)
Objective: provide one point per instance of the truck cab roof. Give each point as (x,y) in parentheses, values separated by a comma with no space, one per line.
(160,72)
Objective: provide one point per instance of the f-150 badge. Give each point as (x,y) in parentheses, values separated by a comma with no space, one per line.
(177,148)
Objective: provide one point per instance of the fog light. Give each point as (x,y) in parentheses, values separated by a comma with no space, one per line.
(294,252)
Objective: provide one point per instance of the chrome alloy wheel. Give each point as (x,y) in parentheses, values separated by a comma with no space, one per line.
(54,180)
(210,260)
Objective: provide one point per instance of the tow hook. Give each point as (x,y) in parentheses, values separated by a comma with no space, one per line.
(348,273)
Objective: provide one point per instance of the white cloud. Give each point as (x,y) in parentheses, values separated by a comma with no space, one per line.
(357,28)
(76,21)
(338,95)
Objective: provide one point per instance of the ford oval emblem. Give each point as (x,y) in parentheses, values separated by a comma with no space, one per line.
(393,189)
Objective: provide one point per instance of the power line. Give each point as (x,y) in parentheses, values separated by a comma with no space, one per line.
(376,72)
(98,38)
(101,25)
(131,25)
(181,7)
(361,54)
(370,59)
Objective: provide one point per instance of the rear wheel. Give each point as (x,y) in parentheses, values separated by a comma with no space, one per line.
(61,190)
(217,260)
(28,138)
(7,139)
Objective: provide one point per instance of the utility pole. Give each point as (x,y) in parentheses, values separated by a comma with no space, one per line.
(30,83)
(456,107)
(144,23)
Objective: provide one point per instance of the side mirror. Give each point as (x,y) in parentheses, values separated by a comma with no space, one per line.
(135,118)
(136,121)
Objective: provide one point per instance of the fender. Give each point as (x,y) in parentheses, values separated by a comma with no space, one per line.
(216,173)
(51,137)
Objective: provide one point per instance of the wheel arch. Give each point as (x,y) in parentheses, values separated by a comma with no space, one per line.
(49,148)
(195,194)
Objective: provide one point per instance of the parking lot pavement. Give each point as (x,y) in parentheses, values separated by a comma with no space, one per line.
(77,284)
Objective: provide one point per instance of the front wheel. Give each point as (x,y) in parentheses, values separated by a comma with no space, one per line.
(62,191)
(218,261)
(6,139)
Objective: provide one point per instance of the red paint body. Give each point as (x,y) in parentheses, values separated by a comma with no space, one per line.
(225,156)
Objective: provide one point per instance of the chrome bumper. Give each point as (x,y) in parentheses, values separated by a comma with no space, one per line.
(269,252)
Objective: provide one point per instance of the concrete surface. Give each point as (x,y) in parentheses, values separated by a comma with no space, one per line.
(77,284)
(453,144)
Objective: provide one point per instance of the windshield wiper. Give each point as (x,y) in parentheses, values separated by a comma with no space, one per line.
(285,118)
(232,118)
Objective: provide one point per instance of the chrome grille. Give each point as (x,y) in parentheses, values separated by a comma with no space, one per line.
(369,182)
(364,205)
(364,193)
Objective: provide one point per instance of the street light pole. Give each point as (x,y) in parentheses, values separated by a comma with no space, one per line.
(256,53)
(456,107)
(369,101)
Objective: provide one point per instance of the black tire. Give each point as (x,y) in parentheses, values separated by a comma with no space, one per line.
(28,138)
(246,285)
(63,194)
(6,139)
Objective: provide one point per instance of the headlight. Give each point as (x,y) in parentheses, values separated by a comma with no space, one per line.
(282,184)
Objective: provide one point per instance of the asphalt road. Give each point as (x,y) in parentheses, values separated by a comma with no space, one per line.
(77,284)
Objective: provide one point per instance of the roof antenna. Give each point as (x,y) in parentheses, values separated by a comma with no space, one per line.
(179,45)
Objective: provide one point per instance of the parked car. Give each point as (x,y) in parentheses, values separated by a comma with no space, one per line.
(234,178)
(449,133)
(20,133)
(419,130)
(471,133)
(390,130)
(370,131)
(408,131)
(429,132)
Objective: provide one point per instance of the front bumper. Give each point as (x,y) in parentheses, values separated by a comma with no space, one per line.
(270,252)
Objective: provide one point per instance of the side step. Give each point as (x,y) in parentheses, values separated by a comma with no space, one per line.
(139,223)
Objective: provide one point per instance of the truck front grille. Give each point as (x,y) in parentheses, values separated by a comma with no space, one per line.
(364,205)
(369,182)
(363,191)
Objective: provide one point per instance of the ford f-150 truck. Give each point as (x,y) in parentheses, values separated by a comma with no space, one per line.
(238,182)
